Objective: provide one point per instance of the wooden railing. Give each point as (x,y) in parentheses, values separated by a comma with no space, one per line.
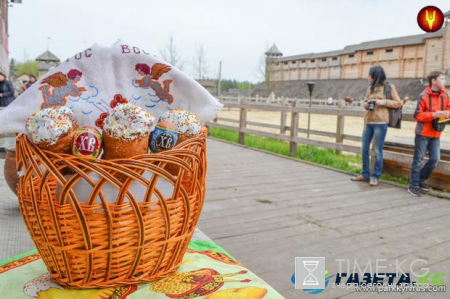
(300,102)
(398,156)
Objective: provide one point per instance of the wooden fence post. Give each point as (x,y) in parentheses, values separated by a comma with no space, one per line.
(283,118)
(294,130)
(242,120)
(340,125)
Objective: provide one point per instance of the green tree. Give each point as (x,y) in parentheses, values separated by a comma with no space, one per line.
(227,84)
(12,68)
(28,67)
(245,85)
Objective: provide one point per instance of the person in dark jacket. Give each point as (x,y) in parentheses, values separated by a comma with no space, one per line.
(433,103)
(6,91)
(31,82)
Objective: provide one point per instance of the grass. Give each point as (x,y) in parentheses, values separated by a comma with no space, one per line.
(318,155)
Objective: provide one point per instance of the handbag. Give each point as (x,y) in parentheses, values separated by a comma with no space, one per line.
(395,114)
(435,123)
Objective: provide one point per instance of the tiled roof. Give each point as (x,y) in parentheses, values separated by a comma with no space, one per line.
(274,51)
(47,56)
(376,44)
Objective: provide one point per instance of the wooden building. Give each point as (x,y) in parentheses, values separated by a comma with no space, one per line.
(402,57)
(46,61)
(4,51)
(209,85)
(4,34)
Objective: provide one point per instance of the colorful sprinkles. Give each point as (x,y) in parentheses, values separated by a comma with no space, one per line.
(128,121)
(49,124)
(185,121)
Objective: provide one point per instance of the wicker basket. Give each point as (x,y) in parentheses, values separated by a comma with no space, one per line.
(10,169)
(112,235)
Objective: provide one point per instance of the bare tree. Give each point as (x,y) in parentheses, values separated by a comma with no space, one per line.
(171,54)
(199,62)
(261,68)
(264,70)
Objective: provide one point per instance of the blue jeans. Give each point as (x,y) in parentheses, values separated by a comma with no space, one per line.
(421,145)
(378,133)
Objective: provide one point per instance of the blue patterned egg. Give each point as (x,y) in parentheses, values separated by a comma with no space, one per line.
(164,137)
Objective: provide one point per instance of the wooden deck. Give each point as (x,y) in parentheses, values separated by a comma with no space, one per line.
(266,210)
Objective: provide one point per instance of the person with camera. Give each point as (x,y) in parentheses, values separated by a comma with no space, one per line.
(376,122)
(432,110)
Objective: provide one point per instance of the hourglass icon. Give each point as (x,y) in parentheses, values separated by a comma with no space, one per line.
(310,279)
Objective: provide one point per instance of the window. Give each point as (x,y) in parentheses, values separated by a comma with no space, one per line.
(313,60)
(389,50)
(369,52)
(324,59)
(277,64)
(293,61)
(303,61)
(286,63)
(334,58)
(351,55)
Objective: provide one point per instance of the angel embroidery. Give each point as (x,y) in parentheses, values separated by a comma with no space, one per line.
(150,77)
(60,86)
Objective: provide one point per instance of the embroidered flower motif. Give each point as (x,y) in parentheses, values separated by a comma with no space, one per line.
(100,122)
(118,99)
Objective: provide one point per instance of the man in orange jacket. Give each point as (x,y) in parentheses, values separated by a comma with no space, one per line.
(433,104)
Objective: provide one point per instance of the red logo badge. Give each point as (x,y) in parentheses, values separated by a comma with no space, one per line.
(87,143)
(430,19)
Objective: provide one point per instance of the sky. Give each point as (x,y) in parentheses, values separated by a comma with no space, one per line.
(234,32)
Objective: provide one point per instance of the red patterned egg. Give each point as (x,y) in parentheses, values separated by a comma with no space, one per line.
(87,141)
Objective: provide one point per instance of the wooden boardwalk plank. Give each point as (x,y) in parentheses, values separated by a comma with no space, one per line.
(266,210)
(343,231)
(328,203)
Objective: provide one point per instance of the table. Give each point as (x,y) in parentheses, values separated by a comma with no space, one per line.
(207,271)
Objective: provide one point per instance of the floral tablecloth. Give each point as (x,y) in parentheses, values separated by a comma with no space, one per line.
(207,271)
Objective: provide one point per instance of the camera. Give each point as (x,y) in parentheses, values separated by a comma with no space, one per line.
(371,105)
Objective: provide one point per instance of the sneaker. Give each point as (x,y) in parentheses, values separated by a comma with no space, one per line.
(373,182)
(424,187)
(359,178)
(414,191)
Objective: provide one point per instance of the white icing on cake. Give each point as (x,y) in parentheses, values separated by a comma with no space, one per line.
(128,121)
(49,124)
(185,121)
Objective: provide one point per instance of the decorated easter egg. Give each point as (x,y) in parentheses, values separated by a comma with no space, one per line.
(164,137)
(87,141)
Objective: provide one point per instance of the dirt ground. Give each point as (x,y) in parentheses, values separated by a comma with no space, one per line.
(353,126)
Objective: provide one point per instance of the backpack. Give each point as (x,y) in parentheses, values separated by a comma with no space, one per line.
(395,114)
(435,123)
